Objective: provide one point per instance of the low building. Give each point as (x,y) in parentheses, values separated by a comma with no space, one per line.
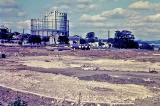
(74,39)
(156,47)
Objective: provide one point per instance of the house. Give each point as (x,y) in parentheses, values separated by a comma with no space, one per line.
(74,39)
(156,47)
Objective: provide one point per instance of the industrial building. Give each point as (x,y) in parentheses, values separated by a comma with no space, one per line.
(53,24)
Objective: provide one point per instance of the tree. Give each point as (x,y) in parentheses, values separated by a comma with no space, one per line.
(124,39)
(82,41)
(5,34)
(127,35)
(76,36)
(100,43)
(45,39)
(91,37)
(16,33)
(63,40)
(110,40)
(9,37)
(34,39)
(24,37)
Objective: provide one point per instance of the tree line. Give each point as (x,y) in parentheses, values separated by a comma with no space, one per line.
(122,39)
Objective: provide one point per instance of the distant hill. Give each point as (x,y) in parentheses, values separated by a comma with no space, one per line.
(153,42)
(149,42)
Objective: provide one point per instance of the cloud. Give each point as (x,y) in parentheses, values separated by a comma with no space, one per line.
(8,4)
(143,27)
(145,5)
(10,8)
(153,18)
(109,19)
(149,19)
(78,6)
(78,9)
(99,25)
(86,17)
(4,12)
(73,2)
(113,0)
(84,1)
(63,8)
(118,13)
(18,25)
(10,12)
(21,14)
(85,8)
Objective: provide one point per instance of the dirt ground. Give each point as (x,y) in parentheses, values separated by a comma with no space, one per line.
(72,77)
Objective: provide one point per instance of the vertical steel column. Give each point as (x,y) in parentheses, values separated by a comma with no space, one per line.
(31,25)
(56,20)
(38,25)
(68,29)
(108,34)
(52,19)
(42,27)
(47,23)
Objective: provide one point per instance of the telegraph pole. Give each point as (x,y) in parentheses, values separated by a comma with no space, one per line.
(108,34)
(23,31)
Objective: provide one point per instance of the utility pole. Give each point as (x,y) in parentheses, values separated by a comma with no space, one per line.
(108,34)
(23,31)
(10,31)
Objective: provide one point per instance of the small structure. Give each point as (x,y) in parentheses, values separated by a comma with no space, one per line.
(74,39)
(156,47)
(153,71)
(95,44)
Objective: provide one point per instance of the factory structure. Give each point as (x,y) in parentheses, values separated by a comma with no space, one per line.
(53,25)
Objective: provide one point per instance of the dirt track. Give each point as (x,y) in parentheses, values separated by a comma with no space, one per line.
(101,76)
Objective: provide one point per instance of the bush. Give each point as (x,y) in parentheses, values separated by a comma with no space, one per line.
(82,41)
(34,39)
(125,44)
(18,102)
(63,40)
(45,39)
(20,42)
(146,46)
(3,56)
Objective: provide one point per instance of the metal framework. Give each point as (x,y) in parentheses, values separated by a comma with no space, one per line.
(51,24)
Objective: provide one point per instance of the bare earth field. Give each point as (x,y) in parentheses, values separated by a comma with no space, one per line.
(44,76)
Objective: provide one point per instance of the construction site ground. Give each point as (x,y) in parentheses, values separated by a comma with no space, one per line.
(44,76)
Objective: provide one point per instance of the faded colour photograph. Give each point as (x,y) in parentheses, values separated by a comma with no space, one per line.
(79,52)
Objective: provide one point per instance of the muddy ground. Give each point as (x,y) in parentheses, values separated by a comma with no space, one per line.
(104,77)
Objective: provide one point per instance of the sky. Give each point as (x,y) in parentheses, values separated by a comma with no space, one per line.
(141,17)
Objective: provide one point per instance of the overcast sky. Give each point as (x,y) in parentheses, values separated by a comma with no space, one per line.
(142,17)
